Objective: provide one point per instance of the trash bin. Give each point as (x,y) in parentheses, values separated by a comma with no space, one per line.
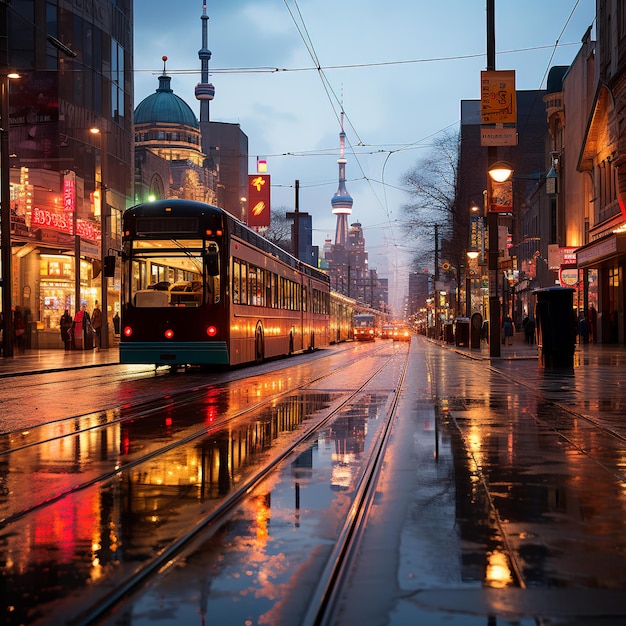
(476,327)
(556,326)
(462,331)
(448,332)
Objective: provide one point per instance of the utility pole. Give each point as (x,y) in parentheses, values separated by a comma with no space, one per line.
(492,216)
(5,187)
(435,281)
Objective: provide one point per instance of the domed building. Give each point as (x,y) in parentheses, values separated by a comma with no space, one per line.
(169,162)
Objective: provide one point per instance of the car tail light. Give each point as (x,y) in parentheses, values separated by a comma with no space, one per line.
(128,331)
(211,331)
(169,333)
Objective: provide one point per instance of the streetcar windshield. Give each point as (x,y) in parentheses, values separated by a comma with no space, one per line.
(172,272)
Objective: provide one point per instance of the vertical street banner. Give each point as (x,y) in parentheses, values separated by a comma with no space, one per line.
(498,108)
(258,200)
(501,196)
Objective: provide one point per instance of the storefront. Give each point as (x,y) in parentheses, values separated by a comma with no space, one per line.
(603,263)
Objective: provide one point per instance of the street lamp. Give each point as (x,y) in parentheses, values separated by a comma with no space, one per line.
(104,219)
(5,187)
(499,172)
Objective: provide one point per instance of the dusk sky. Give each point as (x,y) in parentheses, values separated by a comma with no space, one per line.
(400,68)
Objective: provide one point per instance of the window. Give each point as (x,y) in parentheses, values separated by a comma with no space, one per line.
(236,281)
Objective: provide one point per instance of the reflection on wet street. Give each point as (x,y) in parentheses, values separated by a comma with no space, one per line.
(502,501)
(510,481)
(156,469)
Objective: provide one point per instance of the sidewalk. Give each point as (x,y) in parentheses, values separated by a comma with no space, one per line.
(42,361)
(519,349)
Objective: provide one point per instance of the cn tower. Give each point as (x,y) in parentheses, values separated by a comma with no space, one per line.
(342,200)
(205,91)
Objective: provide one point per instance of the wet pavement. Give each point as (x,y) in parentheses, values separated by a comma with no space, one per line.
(503,500)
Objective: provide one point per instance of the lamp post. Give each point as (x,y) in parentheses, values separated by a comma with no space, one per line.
(104,238)
(5,193)
(5,185)
(499,172)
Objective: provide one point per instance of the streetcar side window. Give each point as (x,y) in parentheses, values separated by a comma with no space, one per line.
(244,283)
(236,281)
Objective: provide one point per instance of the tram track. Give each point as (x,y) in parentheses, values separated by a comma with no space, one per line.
(29,441)
(118,472)
(324,597)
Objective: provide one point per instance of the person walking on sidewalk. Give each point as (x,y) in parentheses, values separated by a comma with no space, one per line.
(96,323)
(66,329)
(507,325)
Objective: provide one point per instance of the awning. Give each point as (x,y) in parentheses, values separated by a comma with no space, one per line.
(602,250)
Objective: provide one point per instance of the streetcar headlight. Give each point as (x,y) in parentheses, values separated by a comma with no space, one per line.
(211,331)
(128,331)
(169,333)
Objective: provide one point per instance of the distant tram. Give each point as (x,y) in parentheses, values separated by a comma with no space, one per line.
(364,327)
(201,288)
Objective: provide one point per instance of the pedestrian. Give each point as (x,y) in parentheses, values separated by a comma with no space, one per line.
(66,329)
(19,329)
(583,328)
(82,329)
(96,323)
(507,325)
(116,323)
(592,323)
(529,330)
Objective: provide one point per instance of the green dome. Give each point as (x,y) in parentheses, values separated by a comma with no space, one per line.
(166,107)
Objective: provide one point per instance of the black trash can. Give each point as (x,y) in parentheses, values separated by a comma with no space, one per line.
(462,331)
(556,326)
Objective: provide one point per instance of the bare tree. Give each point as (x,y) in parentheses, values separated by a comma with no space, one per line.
(433,187)
(279,230)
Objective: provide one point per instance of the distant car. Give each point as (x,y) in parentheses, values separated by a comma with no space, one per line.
(387,331)
(401,333)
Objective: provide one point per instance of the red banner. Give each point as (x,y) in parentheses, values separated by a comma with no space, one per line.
(258,200)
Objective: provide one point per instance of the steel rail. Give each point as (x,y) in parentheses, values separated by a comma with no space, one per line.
(209,523)
(116,470)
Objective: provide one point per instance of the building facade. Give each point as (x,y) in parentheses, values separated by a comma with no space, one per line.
(68,184)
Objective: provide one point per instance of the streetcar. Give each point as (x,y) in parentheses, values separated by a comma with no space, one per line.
(364,327)
(341,317)
(201,288)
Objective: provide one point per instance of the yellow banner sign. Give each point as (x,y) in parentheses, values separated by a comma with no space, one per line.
(497,97)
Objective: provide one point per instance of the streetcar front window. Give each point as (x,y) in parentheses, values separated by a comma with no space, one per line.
(174,273)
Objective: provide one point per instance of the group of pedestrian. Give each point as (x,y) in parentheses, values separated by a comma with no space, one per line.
(21,339)
(508,329)
(84,331)
(587,326)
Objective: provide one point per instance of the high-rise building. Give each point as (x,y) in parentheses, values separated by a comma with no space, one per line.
(68,183)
